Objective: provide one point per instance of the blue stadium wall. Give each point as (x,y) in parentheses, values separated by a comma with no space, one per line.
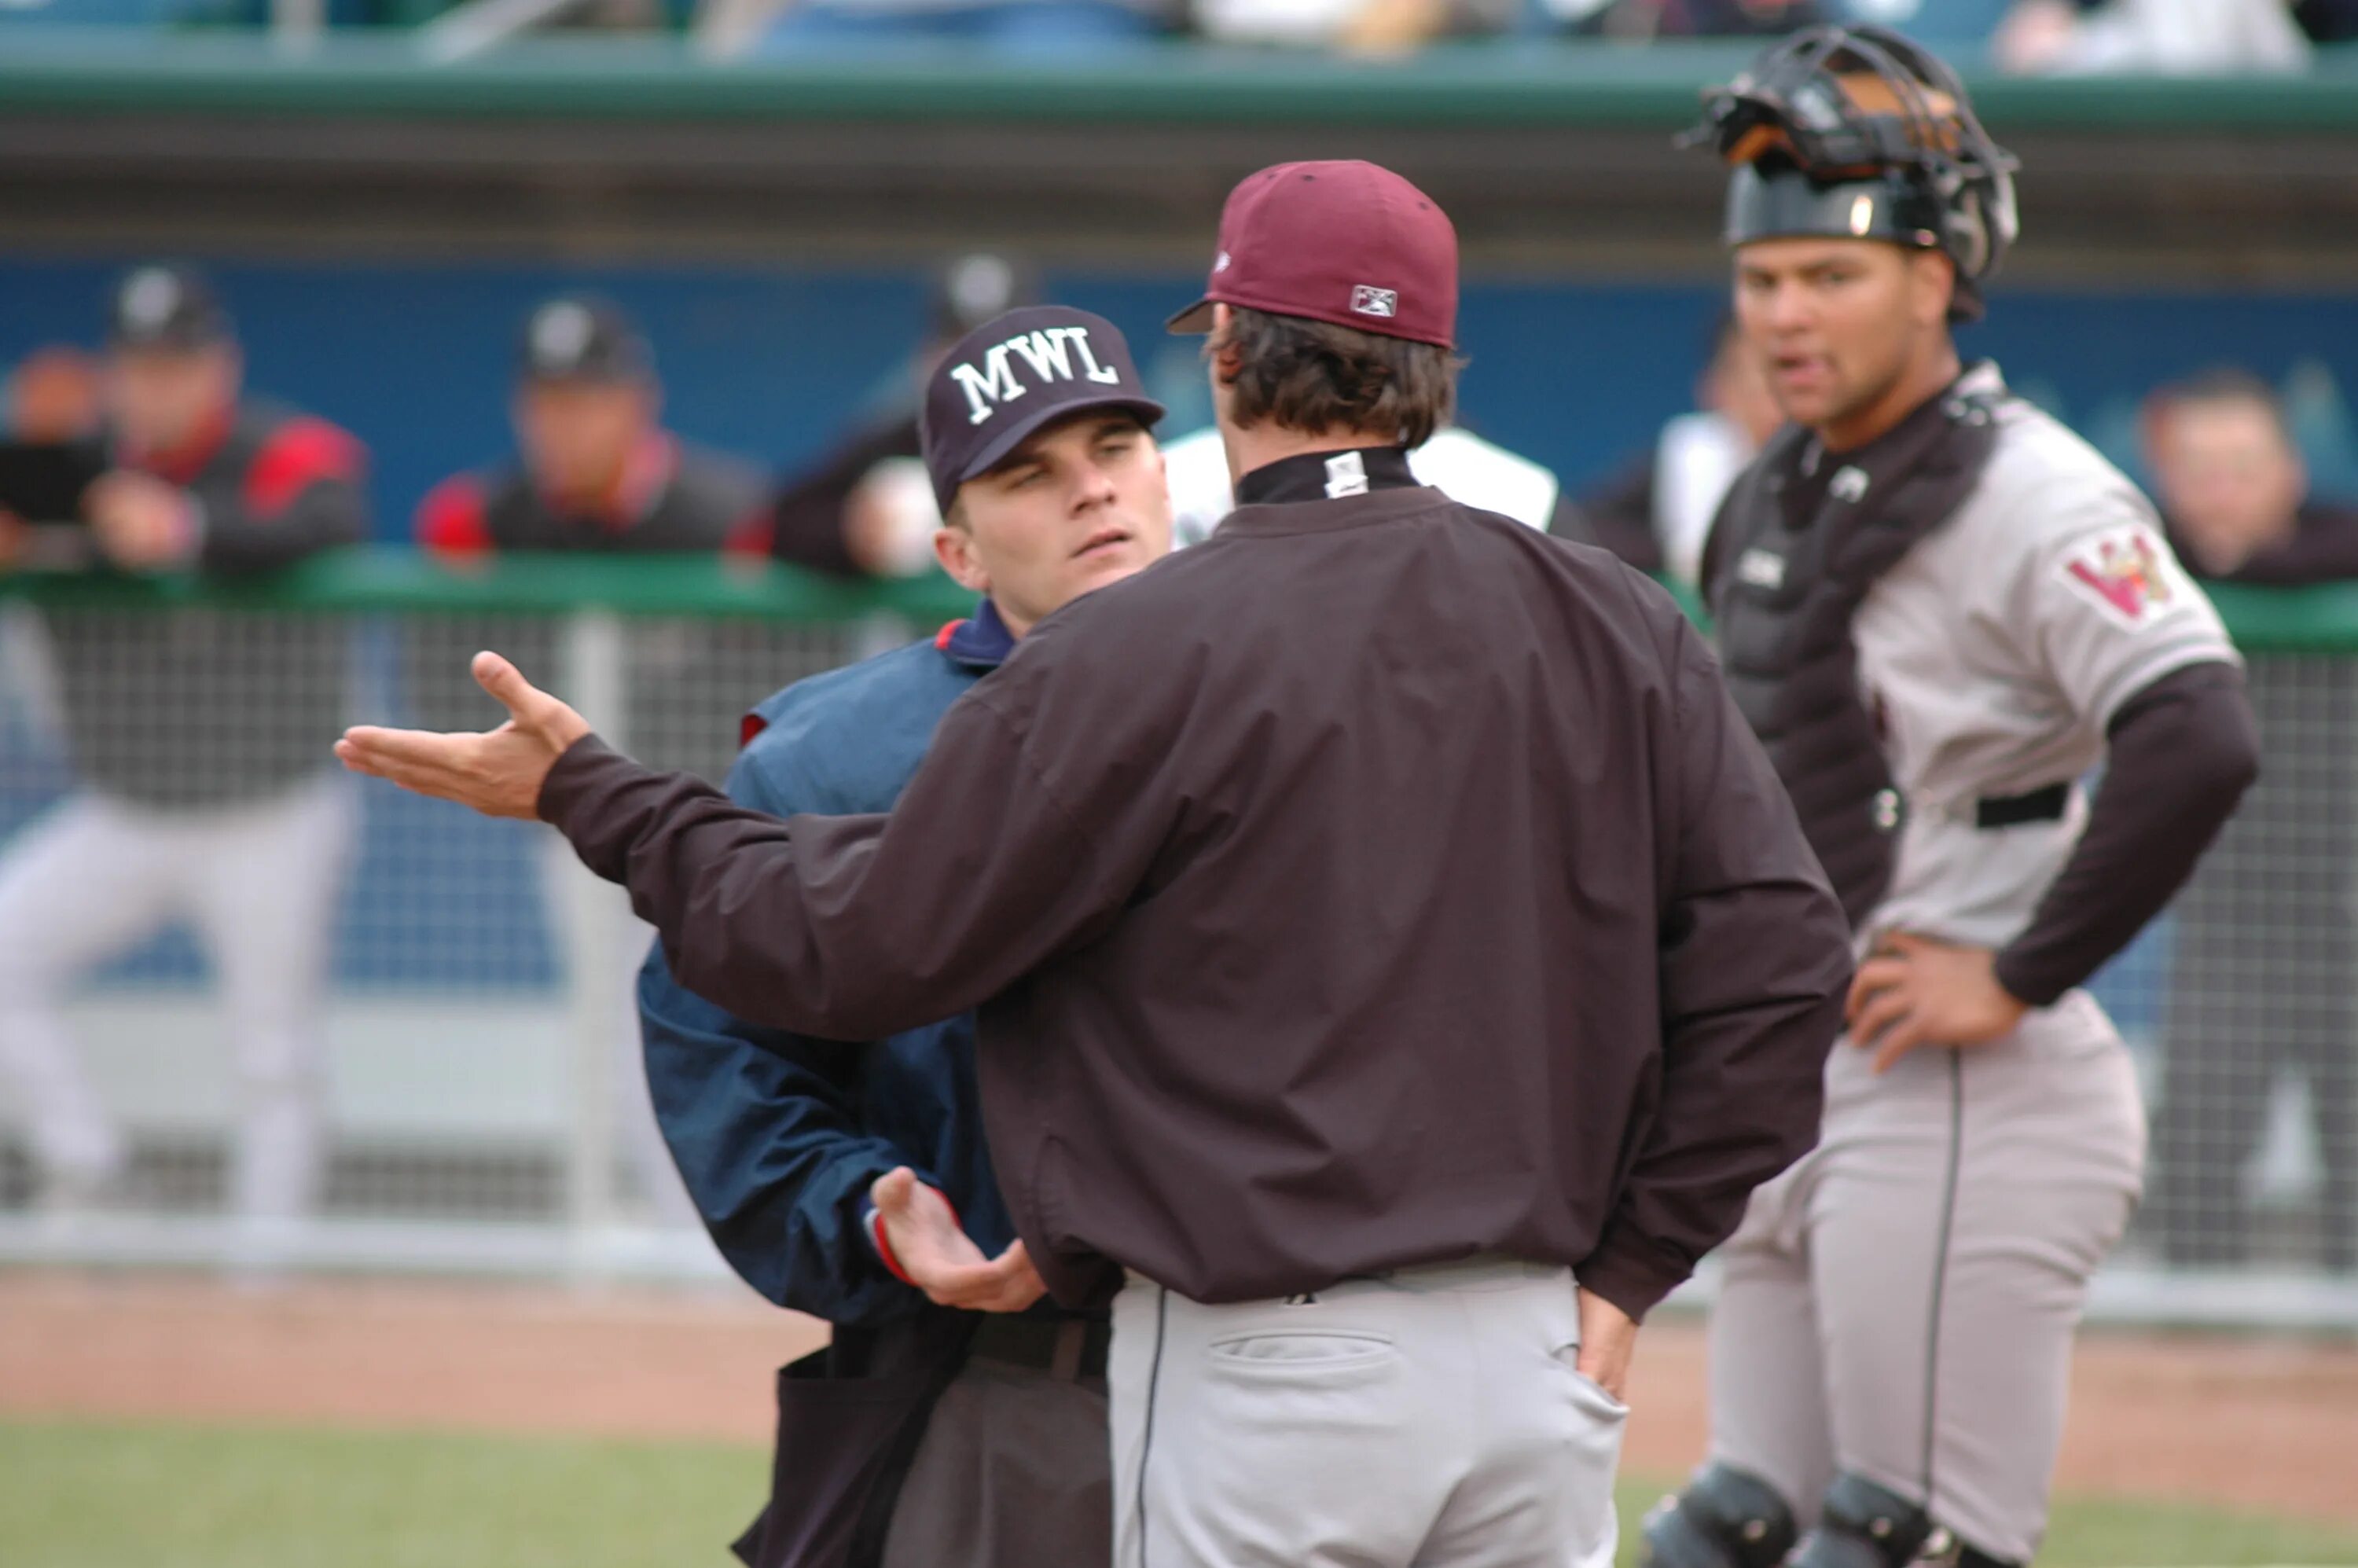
(416,358)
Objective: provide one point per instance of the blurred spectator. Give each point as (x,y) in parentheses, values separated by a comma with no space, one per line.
(1644,20)
(595,472)
(2267,944)
(1033,28)
(867,508)
(1460,464)
(2193,37)
(1656,511)
(1353,27)
(51,455)
(55,396)
(203,791)
(1950,26)
(2233,491)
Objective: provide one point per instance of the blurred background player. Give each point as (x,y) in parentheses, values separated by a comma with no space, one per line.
(1656,513)
(781,1137)
(595,471)
(2260,988)
(866,508)
(199,793)
(51,452)
(1939,609)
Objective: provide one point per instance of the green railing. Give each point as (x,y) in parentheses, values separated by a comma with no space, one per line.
(1504,83)
(398,581)
(2322,619)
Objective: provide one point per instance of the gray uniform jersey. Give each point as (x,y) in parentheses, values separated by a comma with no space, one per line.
(1997,652)
(1901,1304)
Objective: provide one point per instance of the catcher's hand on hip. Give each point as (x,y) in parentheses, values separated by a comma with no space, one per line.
(1915,992)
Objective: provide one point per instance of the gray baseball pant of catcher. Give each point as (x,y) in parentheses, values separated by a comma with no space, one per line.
(1902,1303)
(1428,1418)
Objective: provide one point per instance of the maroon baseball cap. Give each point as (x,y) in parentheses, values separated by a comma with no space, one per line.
(1346,241)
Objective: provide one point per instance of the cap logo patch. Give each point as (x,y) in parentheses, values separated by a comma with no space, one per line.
(562,333)
(1053,354)
(152,298)
(1347,474)
(2124,575)
(1368,300)
(1862,213)
(1221,264)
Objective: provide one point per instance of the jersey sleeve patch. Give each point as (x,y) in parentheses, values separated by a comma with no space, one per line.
(2125,574)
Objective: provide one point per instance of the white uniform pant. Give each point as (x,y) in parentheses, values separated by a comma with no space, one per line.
(1902,1303)
(258,881)
(1428,1418)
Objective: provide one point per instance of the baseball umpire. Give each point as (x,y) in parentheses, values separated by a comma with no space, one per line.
(927,1434)
(1378,916)
(1939,609)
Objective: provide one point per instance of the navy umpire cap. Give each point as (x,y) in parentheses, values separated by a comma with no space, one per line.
(577,338)
(172,309)
(1014,374)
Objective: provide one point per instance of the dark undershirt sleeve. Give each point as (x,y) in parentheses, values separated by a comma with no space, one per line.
(2181,754)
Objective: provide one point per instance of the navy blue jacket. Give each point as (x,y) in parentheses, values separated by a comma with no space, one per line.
(779,1136)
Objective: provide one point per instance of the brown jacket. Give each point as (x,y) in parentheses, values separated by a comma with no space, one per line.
(1377,884)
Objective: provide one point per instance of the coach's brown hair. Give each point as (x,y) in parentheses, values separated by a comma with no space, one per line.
(1313,375)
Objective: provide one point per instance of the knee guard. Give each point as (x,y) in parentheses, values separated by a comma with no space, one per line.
(1863,1525)
(1725,1518)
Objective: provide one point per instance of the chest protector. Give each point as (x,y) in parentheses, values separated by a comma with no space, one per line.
(1788,566)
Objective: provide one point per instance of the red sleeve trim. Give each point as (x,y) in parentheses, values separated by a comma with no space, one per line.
(748,727)
(451,520)
(884,1243)
(297,456)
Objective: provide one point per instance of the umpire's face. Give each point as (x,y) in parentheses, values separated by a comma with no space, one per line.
(1839,323)
(1078,504)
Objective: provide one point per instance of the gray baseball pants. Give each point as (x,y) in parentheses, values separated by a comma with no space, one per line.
(1902,1303)
(1428,1418)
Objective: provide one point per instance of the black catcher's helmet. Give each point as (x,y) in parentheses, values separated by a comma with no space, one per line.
(1855,133)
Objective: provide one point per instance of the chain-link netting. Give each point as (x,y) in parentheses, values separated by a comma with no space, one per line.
(239,983)
(236,982)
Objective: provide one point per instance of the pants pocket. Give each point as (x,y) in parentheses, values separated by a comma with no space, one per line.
(1587,1393)
(1286,1352)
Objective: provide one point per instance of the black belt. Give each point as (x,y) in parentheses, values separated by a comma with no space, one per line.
(1074,1347)
(2046,805)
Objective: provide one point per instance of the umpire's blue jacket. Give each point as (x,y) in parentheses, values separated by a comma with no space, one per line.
(779,1136)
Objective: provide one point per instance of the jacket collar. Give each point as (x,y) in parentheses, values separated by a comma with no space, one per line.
(980,642)
(1327,476)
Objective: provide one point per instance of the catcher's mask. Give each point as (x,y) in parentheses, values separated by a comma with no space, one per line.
(1855,133)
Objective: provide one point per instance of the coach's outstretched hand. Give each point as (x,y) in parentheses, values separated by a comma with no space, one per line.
(498,772)
(939,1259)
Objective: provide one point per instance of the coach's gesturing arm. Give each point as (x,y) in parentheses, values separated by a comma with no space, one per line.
(843,927)
(1755,958)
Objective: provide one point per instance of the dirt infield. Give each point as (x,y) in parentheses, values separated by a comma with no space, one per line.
(2268,1425)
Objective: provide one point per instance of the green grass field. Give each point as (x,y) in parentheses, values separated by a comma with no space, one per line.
(86,1495)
